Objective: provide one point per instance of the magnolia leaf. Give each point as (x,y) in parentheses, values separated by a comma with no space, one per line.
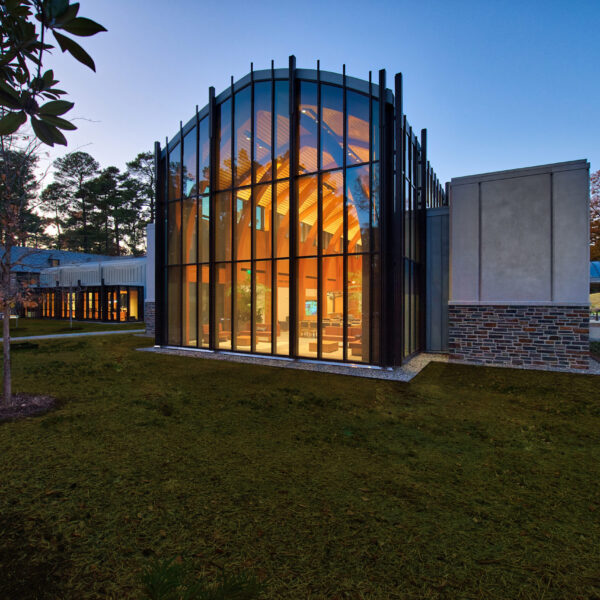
(8,89)
(56,107)
(9,101)
(57,8)
(11,122)
(82,27)
(68,45)
(69,14)
(58,122)
(47,133)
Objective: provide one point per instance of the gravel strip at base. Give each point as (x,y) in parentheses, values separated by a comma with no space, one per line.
(404,373)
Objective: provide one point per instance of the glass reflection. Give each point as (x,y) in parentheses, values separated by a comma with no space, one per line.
(243,305)
(309,120)
(332,303)
(358,308)
(203,305)
(332,193)
(204,229)
(308,212)
(263,215)
(282,219)
(204,157)
(332,127)
(223,226)
(174,232)
(262,132)
(357,137)
(282,129)
(243,137)
(359,206)
(189,163)
(174,306)
(223,306)
(189,309)
(307,308)
(262,307)
(224,145)
(190,231)
(175,173)
(282,303)
(243,224)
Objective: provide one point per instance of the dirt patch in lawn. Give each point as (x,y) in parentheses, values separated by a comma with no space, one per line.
(26,405)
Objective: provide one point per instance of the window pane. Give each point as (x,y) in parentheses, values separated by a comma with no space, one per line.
(174,233)
(332,303)
(189,163)
(332,190)
(282,128)
(133,304)
(375,129)
(189,312)
(223,306)
(123,305)
(175,173)
(375,207)
(357,128)
(358,308)
(262,307)
(262,131)
(203,305)
(332,127)
(263,215)
(173,306)
(243,224)
(204,228)
(243,137)
(224,145)
(282,219)
(307,307)
(307,137)
(282,316)
(204,158)
(243,305)
(223,226)
(190,231)
(306,193)
(358,206)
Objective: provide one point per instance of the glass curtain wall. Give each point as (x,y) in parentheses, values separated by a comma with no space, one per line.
(240,232)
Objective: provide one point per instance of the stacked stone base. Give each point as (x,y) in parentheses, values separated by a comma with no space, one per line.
(530,336)
(150,317)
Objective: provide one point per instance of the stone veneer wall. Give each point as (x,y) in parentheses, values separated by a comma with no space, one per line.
(533,336)
(150,317)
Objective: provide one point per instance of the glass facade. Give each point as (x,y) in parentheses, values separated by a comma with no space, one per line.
(272,240)
(96,303)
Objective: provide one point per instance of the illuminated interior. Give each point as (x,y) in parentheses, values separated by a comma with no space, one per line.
(272,241)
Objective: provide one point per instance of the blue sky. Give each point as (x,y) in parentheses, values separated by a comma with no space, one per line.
(497,84)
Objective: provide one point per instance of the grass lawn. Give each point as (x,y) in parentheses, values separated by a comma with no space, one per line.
(50,326)
(595,301)
(466,483)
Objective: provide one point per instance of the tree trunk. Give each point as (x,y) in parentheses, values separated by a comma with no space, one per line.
(7,396)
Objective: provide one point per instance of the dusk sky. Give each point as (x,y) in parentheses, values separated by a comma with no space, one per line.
(498,85)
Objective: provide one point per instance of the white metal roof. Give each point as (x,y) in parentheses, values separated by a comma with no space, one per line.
(113,272)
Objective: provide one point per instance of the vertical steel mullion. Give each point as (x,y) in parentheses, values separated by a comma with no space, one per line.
(181,267)
(344,221)
(293,333)
(161,182)
(252,218)
(423,241)
(233,236)
(399,225)
(319,220)
(384,203)
(212,176)
(371,208)
(273,217)
(197,227)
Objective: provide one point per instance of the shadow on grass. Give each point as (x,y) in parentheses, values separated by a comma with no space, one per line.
(32,566)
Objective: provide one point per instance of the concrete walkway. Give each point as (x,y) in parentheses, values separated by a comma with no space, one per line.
(55,336)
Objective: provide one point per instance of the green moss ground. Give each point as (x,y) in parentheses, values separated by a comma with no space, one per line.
(465,483)
(28,327)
